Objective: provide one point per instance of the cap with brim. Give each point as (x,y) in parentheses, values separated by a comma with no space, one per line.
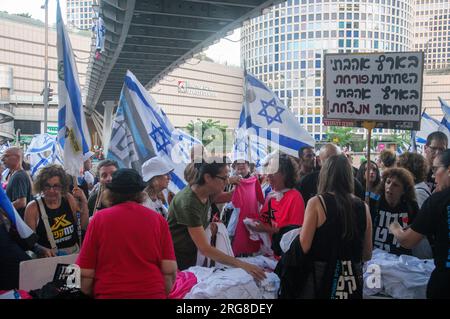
(126,181)
(155,166)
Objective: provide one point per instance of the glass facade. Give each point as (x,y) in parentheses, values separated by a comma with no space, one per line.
(285,46)
(432,32)
(80,13)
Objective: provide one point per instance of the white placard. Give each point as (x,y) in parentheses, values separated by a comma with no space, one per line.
(381,87)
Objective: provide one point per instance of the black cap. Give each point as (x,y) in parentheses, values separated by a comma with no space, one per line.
(126,181)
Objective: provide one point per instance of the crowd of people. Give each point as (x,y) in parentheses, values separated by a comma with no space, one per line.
(133,234)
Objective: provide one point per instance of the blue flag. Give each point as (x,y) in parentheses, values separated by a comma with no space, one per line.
(141,131)
(73,134)
(23,230)
(269,120)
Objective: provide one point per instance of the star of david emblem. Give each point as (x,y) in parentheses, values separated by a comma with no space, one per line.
(160,138)
(264,111)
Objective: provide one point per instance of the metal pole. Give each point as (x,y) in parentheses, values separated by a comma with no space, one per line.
(46,68)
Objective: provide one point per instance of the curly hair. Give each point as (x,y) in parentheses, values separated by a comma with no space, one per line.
(416,164)
(405,177)
(48,172)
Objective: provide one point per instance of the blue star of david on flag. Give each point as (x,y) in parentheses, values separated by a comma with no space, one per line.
(160,138)
(278,111)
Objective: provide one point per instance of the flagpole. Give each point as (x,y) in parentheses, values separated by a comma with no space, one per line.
(369,126)
(45,6)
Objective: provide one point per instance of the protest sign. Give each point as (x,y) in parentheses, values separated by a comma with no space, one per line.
(385,88)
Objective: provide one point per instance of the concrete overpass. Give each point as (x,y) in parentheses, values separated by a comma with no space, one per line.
(153,37)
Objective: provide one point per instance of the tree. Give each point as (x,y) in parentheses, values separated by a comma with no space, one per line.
(25,15)
(214,136)
(341,136)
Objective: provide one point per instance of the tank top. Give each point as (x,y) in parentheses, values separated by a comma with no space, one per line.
(325,236)
(338,261)
(62,224)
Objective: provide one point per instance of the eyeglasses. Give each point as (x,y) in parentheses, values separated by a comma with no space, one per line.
(435,149)
(224,178)
(56,187)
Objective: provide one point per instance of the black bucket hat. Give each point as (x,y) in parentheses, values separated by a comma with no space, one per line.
(126,181)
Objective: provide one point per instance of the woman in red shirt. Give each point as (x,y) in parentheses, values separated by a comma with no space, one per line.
(284,205)
(128,251)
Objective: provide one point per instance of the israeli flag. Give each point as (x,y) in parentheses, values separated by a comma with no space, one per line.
(25,232)
(248,147)
(428,125)
(73,134)
(100,31)
(141,130)
(444,126)
(270,121)
(43,151)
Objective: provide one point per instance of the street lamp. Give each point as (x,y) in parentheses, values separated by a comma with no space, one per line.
(46,90)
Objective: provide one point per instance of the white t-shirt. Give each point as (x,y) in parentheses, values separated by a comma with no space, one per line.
(157,206)
(89,177)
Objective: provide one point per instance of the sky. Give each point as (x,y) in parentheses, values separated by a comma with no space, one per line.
(224,51)
(33,7)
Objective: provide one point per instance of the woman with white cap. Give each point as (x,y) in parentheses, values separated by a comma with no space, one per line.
(156,173)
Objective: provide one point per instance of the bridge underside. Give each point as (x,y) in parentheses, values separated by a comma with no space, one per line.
(152,37)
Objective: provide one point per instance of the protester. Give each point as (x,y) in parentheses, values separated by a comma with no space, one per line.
(11,255)
(128,251)
(18,181)
(105,170)
(156,173)
(374,177)
(386,160)
(284,206)
(417,166)
(337,227)
(433,221)
(397,202)
(308,184)
(436,143)
(307,160)
(87,181)
(246,201)
(188,218)
(53,216)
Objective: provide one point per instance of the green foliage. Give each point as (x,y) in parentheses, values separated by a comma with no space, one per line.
(341,136)
(214,135)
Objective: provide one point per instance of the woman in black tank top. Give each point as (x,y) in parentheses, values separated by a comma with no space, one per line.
(336,234)
(61,208)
